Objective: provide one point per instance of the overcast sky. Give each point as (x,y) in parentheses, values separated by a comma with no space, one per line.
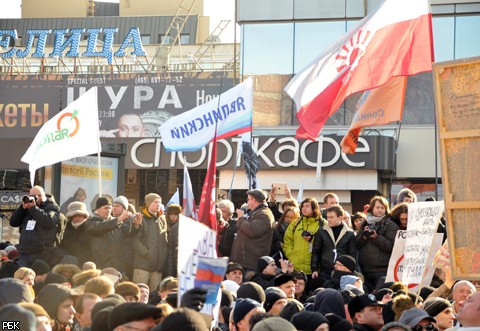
(217,9)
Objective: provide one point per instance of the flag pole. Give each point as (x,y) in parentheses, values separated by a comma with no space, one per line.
(99,168)
(229,195)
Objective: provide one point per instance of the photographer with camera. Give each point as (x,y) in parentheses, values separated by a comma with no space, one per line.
(375,241)
(298,239)
(37,217)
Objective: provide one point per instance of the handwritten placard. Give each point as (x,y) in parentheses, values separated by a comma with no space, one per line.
(423,218)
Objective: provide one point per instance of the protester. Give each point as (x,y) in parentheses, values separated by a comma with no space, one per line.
(290,214)
(172,217)
(133,316)
(310,321)
(375,242)
(468,315)
(226,240)
(400,215)
(331,241)
(242,312)
(254,231)
(298,240)
(416,318)
(329,199)
(234,272)
(406,195)
(366,313)
(275,300)
(83,309)
(37,217)
(442,310)
(58,301)
(151,244)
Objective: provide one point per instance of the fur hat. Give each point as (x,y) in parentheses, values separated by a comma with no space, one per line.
(76,208)
(150,197)
(84,276)
(121,200)
(102,201)
(174,209)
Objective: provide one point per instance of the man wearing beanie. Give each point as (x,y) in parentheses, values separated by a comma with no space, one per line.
(267,270)
(172,216)
(344,266)
(254,232)
(275,300)
(109,235)
(58,301)
(242,312)
(441,309)
(252,291)
(331,241)
(286,283)
(151,245)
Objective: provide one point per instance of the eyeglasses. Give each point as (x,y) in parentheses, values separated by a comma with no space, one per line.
(428,327)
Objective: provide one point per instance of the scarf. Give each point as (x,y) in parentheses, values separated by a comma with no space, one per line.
(374,219)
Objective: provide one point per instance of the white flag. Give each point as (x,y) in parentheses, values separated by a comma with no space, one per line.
(71,133)
(175,199)
(189,207)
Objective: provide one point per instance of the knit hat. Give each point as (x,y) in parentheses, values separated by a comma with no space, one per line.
(308,320)
(40,267)
(108,301)
(102,201)
(272,295)
(436,305)
(174,209)
(348,262)
(14,291)
(336,323)
(242,308)
(8,268)
(150,197)
(252,291)
(414,315)
(283,278)
(292,307)
(263,262)
(121,200)
(77,208)
(132,311)
(12,312)
(347,280)
(274,324)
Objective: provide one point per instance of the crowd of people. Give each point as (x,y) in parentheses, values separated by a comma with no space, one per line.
(293,266)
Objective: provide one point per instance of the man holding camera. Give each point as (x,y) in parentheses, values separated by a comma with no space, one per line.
(37,217)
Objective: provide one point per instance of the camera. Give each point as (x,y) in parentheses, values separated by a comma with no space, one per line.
(29,198)
(307,234)
(368,233)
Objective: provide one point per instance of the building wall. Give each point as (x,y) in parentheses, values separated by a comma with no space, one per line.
(54,8)
(149,7)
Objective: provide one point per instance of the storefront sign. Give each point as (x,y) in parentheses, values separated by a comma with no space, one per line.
(374,152)
(70,39)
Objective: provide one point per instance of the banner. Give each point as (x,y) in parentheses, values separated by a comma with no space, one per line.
(72,132)
(423,218)
(225,116)
(397,261)
(195,240)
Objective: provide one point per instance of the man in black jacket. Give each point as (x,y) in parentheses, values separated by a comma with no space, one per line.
(37,217)
(366,313)
(331,241)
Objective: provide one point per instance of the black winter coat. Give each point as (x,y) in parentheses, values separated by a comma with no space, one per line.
(42,230)
(323,254)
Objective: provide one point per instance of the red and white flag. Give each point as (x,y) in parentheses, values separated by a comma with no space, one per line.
(189,207)
(394,40)
(207,213)
(376,107)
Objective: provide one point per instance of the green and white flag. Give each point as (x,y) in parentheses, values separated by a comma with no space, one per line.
(71,133)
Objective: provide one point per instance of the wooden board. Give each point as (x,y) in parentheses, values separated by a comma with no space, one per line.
(457,98)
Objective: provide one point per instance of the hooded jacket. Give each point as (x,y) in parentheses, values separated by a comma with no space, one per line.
(51,296)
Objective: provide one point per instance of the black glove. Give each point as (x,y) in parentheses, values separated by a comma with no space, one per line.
(194,298)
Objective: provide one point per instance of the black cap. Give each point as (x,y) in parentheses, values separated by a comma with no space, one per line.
(357,303)
(283,278)
(132,311)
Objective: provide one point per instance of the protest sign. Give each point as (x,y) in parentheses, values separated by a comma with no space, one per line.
(423,218)
(397,261)
(195,240)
